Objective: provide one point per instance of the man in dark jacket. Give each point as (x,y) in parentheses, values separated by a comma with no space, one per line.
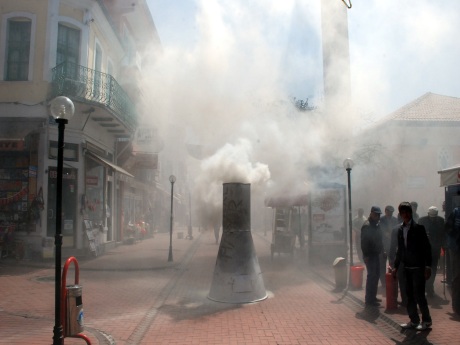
(372,247)
(414,251)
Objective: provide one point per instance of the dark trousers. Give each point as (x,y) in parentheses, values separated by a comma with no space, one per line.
(402,284)
(383,270)
(455,265)
(415,289)
(372,279)
(429,285)
(448,266)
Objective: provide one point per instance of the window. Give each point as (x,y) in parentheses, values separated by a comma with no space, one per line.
(18,49)
(68,48)
(70,152)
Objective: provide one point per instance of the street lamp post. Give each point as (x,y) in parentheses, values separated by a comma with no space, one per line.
(172,179)
(348,164)
(62,109)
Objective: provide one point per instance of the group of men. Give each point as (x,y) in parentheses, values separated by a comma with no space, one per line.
(412,247)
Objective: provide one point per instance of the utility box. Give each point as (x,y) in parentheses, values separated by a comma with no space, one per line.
(48,248)
(340,268)
(74,321)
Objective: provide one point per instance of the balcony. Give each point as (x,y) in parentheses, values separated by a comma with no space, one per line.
(90,86)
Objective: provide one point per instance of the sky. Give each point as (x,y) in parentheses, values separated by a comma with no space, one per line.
(229,70)
(399,50)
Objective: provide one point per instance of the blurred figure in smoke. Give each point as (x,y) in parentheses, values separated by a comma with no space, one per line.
(387,223)
(434,226)
(372,247)
(357,224)
(415,215)
(414,250)
(216,232)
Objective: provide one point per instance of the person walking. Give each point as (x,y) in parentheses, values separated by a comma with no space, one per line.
(357,224)
(372,247)
(453,247)
(414,251)
(434,226)
(387,224)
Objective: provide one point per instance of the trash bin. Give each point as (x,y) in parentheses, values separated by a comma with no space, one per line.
(340,269)
(356,275)
(74,321)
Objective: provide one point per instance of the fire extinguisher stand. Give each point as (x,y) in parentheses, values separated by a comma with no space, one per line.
(64,295)
(391,290)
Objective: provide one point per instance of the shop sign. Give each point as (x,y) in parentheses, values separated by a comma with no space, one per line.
(65,176)
(11,145)
(92,180)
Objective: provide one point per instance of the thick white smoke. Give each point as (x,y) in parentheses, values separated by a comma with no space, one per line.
(228,95)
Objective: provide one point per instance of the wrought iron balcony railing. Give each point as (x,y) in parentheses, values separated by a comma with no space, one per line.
(88,85)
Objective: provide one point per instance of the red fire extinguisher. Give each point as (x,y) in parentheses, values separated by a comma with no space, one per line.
(391,290)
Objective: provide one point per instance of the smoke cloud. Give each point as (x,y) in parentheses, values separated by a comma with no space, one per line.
(230,95)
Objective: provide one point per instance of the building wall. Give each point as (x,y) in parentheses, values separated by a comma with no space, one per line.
(29,99)
(405,165)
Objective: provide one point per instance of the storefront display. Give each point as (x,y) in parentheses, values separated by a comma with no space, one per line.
(17,184)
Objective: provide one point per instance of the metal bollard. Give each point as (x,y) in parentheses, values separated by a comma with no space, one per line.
(340,269)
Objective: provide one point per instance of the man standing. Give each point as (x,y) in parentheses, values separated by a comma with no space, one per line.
(372,247)
(414,251)
(434,226)
(387,224)
(357,224)
(453,246)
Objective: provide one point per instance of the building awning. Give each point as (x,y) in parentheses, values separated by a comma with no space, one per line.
(450,176)
(142,160)
(18,127)
(108,163)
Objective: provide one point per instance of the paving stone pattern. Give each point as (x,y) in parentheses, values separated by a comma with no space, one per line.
(133,295)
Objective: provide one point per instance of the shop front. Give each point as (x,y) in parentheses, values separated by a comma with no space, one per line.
(100,197)
(20,204)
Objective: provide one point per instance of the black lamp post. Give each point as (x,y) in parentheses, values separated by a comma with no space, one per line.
(172,179)
(348,164)
(62,110)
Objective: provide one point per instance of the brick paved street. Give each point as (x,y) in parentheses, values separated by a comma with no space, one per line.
(133,295)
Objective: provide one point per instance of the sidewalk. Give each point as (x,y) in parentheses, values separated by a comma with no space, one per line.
(27,302)
(134,295)
(445,323)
